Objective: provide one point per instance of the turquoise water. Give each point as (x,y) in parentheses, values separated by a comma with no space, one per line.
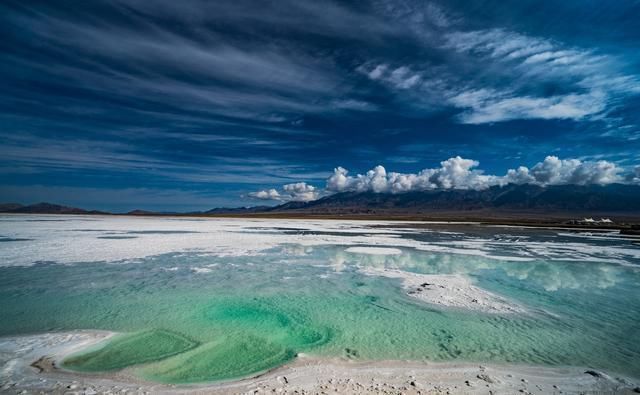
(235,316)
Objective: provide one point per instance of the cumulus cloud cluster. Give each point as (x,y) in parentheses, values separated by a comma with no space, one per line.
(296,192)
(460,173)
(266,194)
(301,192)
(457,173)
(554,171)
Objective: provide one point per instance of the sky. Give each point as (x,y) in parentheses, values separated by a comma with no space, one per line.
(188,105)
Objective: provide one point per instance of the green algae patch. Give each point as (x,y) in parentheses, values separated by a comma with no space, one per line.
(225,358)
(287,328)
(130,349)
(248,337)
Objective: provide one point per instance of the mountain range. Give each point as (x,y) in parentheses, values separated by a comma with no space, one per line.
(44,208)
(613,198)
(527,197)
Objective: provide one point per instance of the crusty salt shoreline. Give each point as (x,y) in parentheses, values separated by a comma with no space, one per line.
(306,375)
(455,291)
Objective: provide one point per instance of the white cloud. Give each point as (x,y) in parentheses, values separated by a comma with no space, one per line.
(377,72)
(339,180)
(496,43)
(301,192)
(635,176)
(461,173)
(374,180)
(296,192)
(493,106)
(354,105)
(270,194)
(454,173)
(555,171)
(401,77)
(512,67)
(521,175)
(593,79)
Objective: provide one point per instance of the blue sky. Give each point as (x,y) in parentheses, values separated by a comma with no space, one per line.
(195,104)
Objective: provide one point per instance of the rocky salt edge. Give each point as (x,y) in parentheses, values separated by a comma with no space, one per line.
(454,291)
(30,364)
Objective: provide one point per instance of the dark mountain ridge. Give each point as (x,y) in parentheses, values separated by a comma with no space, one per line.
(558,198)
(583,199)
(238,210)
(6,207)
(45,208)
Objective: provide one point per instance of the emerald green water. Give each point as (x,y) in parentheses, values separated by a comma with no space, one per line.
(247,314)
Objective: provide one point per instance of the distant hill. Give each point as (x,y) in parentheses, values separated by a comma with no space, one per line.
(238,210)
(44,208)
(5,207)
(50,208)
(531,198)
(614,198)
(141,212)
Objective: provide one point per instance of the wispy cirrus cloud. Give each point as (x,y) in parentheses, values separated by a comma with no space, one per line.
(120,199)
(499,75)
(41,155)
(143,63)
(591,81)
(130,93)
(485,105)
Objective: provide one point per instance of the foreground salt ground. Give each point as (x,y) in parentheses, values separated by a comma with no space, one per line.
(29,364)
(384,249)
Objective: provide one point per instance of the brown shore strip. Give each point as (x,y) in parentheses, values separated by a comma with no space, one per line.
(527,219)
(626,223)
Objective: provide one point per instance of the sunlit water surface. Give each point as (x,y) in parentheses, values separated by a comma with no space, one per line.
(193,315)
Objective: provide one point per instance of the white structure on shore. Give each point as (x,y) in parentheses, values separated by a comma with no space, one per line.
(591,221)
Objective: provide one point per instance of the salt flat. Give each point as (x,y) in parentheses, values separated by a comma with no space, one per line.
(74,239)
(223,304)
